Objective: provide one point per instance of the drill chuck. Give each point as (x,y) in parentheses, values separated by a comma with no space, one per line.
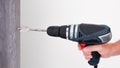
(57,31)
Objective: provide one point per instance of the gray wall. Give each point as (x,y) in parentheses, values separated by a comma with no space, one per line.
(9,35)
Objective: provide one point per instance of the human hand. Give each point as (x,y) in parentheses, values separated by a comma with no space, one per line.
(105,50)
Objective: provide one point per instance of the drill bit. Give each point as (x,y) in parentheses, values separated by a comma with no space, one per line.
(38,30)
(26,29)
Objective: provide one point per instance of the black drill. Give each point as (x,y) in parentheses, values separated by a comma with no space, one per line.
(84,34)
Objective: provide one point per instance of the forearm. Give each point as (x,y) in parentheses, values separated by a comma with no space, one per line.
(115,48)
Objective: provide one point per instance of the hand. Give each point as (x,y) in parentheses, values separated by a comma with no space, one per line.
(105,50)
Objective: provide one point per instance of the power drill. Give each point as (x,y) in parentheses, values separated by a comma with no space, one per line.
(84,34)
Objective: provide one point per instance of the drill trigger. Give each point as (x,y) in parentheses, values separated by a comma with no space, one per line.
(82,45)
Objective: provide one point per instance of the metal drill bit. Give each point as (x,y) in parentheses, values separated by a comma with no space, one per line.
(39,30)
(26,29)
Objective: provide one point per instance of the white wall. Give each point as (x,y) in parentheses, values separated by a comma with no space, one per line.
(38,50)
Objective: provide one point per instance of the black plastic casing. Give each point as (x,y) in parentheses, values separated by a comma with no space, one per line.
(90,34)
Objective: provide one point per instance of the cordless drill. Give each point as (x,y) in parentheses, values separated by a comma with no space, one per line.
(84,34)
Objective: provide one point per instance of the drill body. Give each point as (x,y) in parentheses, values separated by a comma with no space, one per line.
(84,34)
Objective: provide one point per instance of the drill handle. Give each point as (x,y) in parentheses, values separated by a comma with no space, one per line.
(95,58)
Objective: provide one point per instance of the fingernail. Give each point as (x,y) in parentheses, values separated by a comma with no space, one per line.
(87,58)
(90,56)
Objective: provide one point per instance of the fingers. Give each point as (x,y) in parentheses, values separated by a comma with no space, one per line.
(87,56)
(87,51)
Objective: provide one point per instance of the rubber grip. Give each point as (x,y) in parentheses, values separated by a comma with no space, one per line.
(95,58)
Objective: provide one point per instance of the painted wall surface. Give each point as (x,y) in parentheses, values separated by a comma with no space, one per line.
(38,50)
